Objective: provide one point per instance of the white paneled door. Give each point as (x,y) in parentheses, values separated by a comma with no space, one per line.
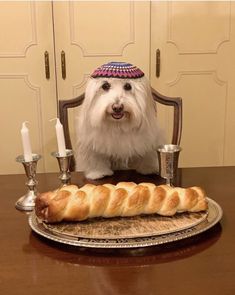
(196,40)
(26,94)
(91,33)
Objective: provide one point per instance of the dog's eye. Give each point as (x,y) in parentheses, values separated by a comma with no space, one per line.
(106,86)
(127,87)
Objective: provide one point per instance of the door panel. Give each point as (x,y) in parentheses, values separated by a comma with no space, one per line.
(198,27)
(12,44)
(196,40)
(104,30)
(203,125)
(26,95)
(93,33)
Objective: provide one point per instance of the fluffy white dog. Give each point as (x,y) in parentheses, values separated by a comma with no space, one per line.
(117,126)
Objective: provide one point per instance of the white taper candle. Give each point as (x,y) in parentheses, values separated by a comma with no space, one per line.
(28,156)
(60,138)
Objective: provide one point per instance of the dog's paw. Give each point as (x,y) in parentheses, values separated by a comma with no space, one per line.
(98,174)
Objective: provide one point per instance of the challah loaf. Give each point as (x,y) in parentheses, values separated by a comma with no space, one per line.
(71,203)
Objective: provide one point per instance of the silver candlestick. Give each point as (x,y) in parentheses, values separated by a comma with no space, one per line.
(168,155)
(64,163)
(27,202)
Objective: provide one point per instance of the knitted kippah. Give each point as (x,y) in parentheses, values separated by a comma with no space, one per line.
(118,70)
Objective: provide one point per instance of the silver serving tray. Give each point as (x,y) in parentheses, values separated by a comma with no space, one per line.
(195,223)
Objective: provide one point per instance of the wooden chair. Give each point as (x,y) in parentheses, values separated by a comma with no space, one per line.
(175,102)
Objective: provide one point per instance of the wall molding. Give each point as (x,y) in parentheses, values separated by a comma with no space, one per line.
(206,72)
(76,87)
(219,82)
(33,40)
(37,90)
(217,46)
(82,47)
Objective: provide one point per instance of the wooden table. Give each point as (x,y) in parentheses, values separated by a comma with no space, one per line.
(204,264)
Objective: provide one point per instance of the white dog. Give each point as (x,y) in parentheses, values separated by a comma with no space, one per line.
(117,127)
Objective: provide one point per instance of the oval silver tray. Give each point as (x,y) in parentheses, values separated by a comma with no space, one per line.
(159,230)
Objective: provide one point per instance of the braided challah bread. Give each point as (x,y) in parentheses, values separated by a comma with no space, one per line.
(71,203)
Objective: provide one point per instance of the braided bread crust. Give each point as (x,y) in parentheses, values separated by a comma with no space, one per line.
(71,203)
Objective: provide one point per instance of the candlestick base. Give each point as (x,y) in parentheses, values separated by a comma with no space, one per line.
(27,202)
(64,163)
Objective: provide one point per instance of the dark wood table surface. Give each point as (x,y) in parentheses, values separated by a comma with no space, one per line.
(204,264)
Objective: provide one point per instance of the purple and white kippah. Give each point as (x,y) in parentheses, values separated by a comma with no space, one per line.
(119,70)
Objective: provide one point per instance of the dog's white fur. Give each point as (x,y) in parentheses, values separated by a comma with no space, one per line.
(104,143)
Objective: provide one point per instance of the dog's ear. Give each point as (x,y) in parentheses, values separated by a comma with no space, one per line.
(145,91)
(148,90)
(91,89)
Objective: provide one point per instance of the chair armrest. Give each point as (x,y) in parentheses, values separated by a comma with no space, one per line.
(176,102)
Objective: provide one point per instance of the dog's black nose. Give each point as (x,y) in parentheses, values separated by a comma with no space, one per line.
(117,108)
